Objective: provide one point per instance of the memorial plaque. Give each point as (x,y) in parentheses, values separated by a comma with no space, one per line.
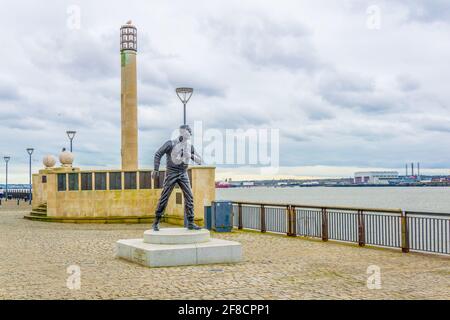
(61,182)
(145,180)
(130,180)
(159,181)
(86,181)
(73,181)
(100,181)
(115,180)
(178,198)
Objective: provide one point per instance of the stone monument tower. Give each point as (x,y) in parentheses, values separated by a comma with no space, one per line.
(129,139)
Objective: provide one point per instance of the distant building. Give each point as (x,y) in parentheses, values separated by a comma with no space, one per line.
(310,183)
(223,184)
(375,177)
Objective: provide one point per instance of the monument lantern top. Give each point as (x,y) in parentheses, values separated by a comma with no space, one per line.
(128,37)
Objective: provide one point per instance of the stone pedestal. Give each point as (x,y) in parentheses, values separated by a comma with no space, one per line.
(178,247)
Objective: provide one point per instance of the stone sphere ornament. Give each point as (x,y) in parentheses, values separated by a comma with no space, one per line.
(66,158)
(49,161)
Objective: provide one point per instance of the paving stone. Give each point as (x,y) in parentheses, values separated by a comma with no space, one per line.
(35,257)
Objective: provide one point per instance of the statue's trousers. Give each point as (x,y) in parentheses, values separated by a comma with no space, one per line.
(171,179)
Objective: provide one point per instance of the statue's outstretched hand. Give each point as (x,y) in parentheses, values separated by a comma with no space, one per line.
(155,174)
(197,159)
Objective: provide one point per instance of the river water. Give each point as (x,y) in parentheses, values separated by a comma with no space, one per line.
(432,199)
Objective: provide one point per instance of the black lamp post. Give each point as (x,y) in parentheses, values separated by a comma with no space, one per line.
(71,135)
(30,152)
(7,158)
(184,94)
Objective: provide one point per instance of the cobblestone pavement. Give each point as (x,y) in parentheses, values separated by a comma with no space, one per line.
(35,257)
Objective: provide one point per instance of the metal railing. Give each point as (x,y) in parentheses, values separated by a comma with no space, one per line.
(16,194)
(407,230)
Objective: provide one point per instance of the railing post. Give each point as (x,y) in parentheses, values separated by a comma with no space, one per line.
(240,216)
(405,232)
(288,217)
(291,219)
(361,231)
(263,218)
(324,225)
(294,221)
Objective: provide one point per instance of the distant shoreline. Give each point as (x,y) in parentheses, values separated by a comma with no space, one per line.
(339,186)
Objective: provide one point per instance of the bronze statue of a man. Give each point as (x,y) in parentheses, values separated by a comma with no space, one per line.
(178,153)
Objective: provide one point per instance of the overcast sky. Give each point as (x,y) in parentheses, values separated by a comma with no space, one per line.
(348,91)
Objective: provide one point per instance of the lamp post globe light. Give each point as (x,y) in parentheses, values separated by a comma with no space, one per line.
(184,94)
(71,135)
(30,152)
(7,158)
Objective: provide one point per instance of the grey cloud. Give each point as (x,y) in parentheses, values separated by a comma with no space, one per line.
(8,92)
(204,83)
(320,115)
(421,11)
(223,119)
(297,137)
(428,11)
(169,74)
(256,64)
(80,55)
(209,90)
(340,82)
(407,83)
(149,96)
(263,41)
(354,92)
(151,75)
(436,125)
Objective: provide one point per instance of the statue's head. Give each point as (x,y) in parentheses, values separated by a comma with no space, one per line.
(185,132)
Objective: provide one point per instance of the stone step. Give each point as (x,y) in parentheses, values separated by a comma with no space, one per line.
(178,247)
(169,255)
(35,218)
(176,236)
(38,213)
(127,219)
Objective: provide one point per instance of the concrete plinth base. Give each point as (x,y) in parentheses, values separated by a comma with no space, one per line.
(180,247)
(176,236)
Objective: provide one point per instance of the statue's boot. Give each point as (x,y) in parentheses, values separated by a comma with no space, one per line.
(192,226)
(155,225)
